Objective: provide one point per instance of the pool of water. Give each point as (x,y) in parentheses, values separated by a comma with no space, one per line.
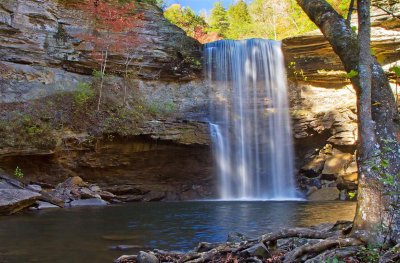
(87,234)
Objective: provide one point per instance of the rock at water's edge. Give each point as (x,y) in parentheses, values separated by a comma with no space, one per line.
(88,202)
(144,257)
(14,200)
(325,194)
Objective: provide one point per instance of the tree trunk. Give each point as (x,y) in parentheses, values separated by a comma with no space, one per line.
(377,124)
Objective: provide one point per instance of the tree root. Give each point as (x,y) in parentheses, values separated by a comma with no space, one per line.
(294,255)
(296,232)
(324,242)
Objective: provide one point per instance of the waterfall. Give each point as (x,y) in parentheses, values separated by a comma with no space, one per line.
(250,124)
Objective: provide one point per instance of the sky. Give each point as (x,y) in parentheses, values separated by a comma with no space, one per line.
(199,5)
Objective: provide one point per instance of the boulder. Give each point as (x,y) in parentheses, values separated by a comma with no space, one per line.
(86,193)
(14,196)
(144,257)
(350,177)
(236,237)
(14,200)
(258,250)
(315,166)
(325,194)
(343,184)
(337,163)
(75,188)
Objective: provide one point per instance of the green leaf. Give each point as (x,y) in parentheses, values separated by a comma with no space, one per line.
(352,195)
(396,70)
(354,29)
(385,163)
(353,73)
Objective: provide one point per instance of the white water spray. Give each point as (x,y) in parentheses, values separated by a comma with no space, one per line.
(250,122)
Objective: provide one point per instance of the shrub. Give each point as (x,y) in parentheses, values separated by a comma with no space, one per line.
(84,92)
(18,172)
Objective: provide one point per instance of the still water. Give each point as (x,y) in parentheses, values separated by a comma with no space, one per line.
(87,234)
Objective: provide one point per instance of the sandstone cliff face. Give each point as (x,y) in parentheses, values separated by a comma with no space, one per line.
(50,136)
(323,104)
(156,138)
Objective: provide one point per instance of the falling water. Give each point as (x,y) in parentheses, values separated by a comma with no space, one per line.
(250,123)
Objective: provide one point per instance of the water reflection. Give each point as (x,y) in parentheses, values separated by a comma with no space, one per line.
(86,235)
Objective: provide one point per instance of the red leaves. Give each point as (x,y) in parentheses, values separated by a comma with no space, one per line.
(111,15)
(113,24)
(203,37)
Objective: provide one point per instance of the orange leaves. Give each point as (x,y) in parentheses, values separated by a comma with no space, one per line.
(111,15)
(204,37)
(113,24)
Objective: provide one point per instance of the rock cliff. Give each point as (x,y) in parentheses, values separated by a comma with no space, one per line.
(150,138)
(51,129)
(323,103)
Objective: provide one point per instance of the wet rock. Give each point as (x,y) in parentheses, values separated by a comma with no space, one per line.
(126,259)
(14,200)
(236,237)
(94,188)
(325,194)
(88,202)
(144,257)
(86,193)
(40,205)
(106,195)
(259,250)
(34,187)
(75,188)
(13,196)
(204,247)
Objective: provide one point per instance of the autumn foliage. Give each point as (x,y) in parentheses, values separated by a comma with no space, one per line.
(113,25)
(201,35)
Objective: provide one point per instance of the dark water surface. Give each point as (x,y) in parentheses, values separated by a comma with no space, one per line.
(86,234)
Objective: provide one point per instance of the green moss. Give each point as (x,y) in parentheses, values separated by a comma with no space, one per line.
(161,108)
(84,92)
(21,129)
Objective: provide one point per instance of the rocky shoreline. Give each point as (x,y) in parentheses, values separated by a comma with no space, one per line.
(322,243)
(17,196)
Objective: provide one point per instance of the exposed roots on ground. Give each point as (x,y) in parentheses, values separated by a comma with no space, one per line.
(311,245)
